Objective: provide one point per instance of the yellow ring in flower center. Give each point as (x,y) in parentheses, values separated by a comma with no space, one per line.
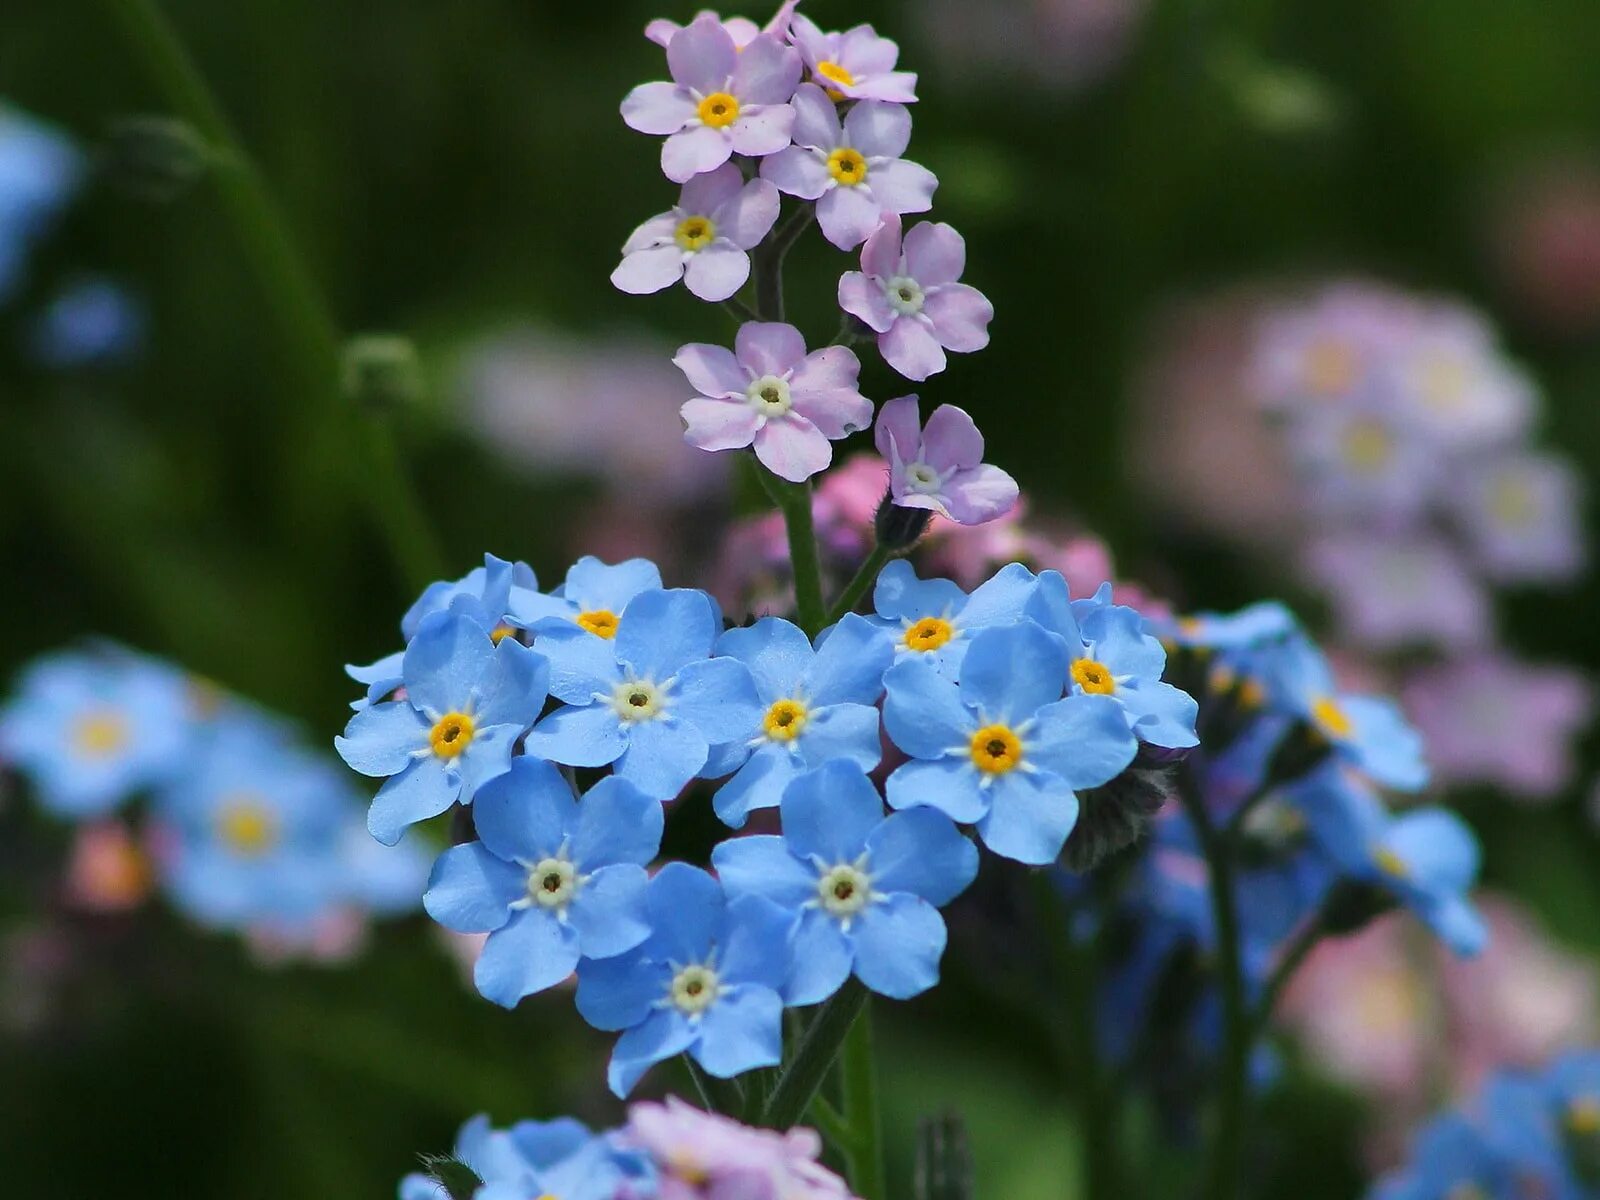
(1331,719)
(601,622)
(785,720)
(695,233)
(100,734)
(247,827)
(995,750)
(1583,1114)
(836,73)
(1093,677)
(847,166)
(452,734)
(1330,368)
(719,110)
(501,632)
(1391,864)
(928,634)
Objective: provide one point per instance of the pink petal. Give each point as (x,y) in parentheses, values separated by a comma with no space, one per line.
(762,130)
(827,369)
(837,412)
(796,171)
(718,424)
(769,347)
(742,30)
(861,297)
(792,448)
(848,216)
(910,348)
(935,254)
(660,31)
(816,120)
(749,216)
(808,38)
(646,271)
(960,316)
(881,255)
(716,272)
(897,87)
(704,194)
(702,56)
(782,19)
(657,108)
(863,52)
(898,435)
(980,494)
(902,187)
(651,234)
(693,151)
(877,129)
(712,370)
(951,439)
(767,73)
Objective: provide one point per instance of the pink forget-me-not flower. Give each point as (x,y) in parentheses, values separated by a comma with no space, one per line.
(705,240)
(940,466)
(854,65)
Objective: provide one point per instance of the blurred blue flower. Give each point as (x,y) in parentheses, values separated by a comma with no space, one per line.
(583,616)
(94,322)
(550,879)
(1002,749)
(706,982)
(652,700)
(866,889)
(559,1158)
(467,701)
(820,706)
(936,620)
(39,170)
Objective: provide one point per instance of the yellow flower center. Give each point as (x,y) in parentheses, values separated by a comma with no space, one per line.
(719,110)
(247,827)
(785,720)
(1444,382)
(1367,446)
(694,989)
(1512,503)
(995,750)
(1331,719)
(695,233)
(100,734)
(501,632)
(1391,864)
(452,734)
(1093,677)
(844,890)
(833,72)
(1330,368)
(929,634)
(1583,1115)
(847,166)
(1252,694)
(601,622)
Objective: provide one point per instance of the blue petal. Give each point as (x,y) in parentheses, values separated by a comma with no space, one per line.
(764,866)
(578,737)
(1030,816)
(718,697)
(487,758)
(922,711)
(951,786)
(609,913)
(662,756)
(1117,638)
(1012,671)
(582,664)
(776,652)
(755,945)
(664,631)
(828,813)
(617,823)
(663,1033)
(446,662)
(900,596)
(1051,606)
(686,908)
(380,740)
(899,941)
(592,584)
(849,665)
(534,951)
(758,784)
(1386,746)
(919,851)
(421,791)
(525,813)
(1001,599)
(617,993)
(848,732)
(547,1143)
(1084,740)
(1439,849)
(1162,715)
(514,688)
(471,891)
(823,957)
(741,1031)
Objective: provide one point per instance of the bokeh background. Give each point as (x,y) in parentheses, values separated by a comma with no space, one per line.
(1134,180)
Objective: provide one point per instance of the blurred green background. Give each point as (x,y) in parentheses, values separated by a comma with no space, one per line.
(451,168)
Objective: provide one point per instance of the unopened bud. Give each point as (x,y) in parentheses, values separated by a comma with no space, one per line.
(897,528)
(1114,816)
(381,371)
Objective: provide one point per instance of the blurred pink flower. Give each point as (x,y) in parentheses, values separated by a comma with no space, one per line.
(700,1154)
(109,871)
(1545,242)
(333,937)
(1390,593)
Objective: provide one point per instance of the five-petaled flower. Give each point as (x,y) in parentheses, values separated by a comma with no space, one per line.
(940,466)
(934,620)
(857,64)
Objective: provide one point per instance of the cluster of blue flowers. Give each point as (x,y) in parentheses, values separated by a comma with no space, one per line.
(247,827)
(563,720)
(1525,1134)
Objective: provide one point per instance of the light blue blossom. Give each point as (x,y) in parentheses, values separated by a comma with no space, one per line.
(550,879)
(654,703)
(1110,654)
(819,706)
(559,1158)
(90,729)
(39,170)
(584,616)
(467,701)
(706,982)
(94,322)
(934,619)
(1003,749)
(866,888)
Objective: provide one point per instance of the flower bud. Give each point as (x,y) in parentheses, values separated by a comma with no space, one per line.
(381,372)
(897,528)
(153,158)
(1112,817)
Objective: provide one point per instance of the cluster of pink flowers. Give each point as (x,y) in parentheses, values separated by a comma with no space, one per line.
(754,114)
(703,1156)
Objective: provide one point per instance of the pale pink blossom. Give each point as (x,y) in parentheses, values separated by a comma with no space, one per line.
(742,30)
(700,1155)
(854,65)
(704,240)
(940,467)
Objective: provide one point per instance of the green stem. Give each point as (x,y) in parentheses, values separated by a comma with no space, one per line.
(718,1095)
(798,1085)
(859,1076)
(857,587)
(1228,1147)
(307,323)
(1289,962)
(794,501)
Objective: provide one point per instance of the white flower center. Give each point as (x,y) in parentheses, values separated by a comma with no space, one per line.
(904,294)
(844,890)
(638,700)
(694,989)
(769,396)
(922,478)
(553,882)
